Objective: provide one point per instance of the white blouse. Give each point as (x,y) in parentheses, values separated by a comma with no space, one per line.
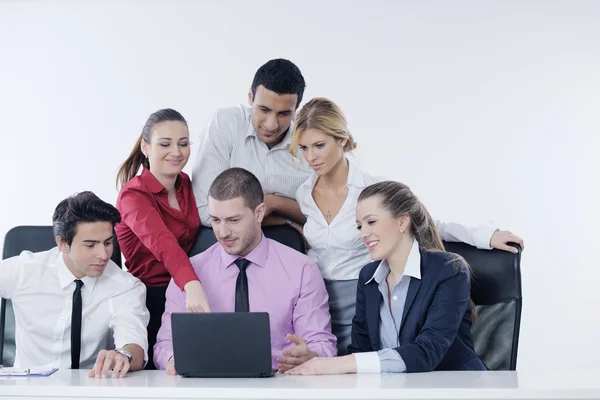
(337,247)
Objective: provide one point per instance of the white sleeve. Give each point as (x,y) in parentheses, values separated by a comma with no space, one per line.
(367,363)
(478,236)
(377,362)
(10,273)
(130,319)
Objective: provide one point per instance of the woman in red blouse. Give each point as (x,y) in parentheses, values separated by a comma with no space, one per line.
(159,216)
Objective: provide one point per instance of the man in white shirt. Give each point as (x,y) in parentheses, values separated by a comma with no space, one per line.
(72,303)
(257,138)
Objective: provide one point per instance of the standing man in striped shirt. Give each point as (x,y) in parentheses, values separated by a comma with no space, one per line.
(256,137)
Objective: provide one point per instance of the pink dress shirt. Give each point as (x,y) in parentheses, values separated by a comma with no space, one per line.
(281,281)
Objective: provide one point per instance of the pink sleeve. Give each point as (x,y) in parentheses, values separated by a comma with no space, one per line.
(312,321)
(163,349)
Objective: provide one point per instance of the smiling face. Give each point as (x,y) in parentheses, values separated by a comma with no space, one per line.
(169,148)
(321,151)
(272,114)
(90,250)
(379,230)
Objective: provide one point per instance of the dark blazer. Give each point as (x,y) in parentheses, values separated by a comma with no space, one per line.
(435,332)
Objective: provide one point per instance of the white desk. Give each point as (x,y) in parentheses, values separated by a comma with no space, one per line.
(69,384)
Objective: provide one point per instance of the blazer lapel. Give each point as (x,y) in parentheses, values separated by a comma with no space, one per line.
(413,289)
(374,299)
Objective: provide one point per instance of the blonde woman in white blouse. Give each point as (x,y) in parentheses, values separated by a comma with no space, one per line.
(328,199)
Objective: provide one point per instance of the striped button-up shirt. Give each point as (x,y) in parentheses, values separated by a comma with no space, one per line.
(231,141)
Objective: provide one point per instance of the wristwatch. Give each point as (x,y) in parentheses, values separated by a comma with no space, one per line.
(124,352)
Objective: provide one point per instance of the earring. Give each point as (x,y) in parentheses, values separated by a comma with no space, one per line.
(402,231)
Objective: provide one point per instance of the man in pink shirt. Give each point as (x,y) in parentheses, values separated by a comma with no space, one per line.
(245,271)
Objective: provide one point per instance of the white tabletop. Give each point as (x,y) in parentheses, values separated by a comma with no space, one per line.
(433,385)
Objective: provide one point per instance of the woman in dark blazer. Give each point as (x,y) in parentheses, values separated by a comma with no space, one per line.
(413,308)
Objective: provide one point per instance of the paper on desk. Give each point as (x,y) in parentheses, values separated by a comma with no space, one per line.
(44,370)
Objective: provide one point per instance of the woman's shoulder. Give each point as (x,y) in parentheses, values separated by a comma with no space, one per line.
(132,187)
(184,179)
(443,264)
(135,189)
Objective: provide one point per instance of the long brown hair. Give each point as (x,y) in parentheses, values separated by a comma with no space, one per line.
(136,158)
(398,199)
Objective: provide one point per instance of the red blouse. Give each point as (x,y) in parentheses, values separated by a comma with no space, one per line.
(154,237)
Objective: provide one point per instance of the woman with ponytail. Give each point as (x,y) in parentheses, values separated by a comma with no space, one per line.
(328,199)
(413,309)
(159,216)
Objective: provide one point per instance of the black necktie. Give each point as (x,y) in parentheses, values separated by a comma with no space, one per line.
(241,287)
(76,325)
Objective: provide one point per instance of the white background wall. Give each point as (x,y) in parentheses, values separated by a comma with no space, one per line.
(488,110)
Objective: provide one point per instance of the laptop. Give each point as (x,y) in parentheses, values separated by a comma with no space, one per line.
(222,345)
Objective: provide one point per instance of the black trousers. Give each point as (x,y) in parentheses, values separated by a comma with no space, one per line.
(155,302)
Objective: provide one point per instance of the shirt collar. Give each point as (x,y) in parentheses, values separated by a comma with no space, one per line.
(257,256)
(356,177)
(66,277)
(251,132)
(154,185)
(412,268)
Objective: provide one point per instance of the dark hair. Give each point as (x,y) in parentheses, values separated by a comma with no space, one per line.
(280,76)
(398,199)
(81,207)
(136,159)
(237,182)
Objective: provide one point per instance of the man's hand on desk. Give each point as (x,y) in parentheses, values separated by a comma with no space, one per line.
(298,355)
(170,370)
(110,360)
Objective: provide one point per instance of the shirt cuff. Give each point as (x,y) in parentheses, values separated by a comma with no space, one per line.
(391,361)
(161,360)
(483,236)
(144,347)
(185,275)
(323,351)
(367,363)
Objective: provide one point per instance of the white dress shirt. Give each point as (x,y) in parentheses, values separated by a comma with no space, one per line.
(337,247)
(41,286)
(231,141)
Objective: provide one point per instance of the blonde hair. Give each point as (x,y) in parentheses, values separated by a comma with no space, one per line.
(325,116)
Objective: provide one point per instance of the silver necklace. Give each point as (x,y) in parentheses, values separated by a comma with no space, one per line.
(328,213)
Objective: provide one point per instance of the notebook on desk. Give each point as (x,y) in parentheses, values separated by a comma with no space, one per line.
(222,345)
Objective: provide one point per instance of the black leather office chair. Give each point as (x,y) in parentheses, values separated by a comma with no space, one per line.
(283,234)
(496,292)
(18,239)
